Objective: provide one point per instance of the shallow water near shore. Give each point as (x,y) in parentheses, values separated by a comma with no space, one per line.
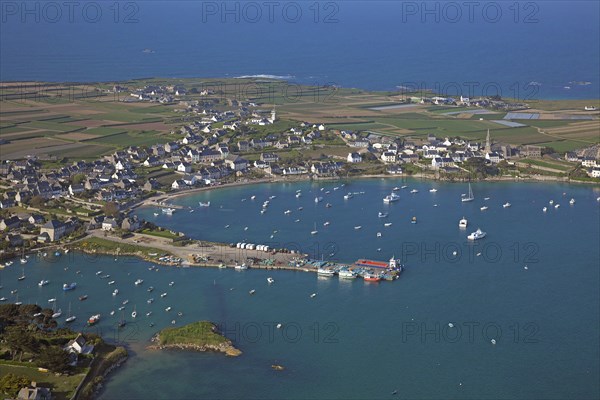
(356,339)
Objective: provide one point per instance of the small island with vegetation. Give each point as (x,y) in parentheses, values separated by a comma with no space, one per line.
(199,336)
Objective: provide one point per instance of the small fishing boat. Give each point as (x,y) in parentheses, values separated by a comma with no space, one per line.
(371,278)
(463,223)
(93,319)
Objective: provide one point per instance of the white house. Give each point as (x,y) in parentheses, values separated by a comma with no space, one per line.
(78,346)
(354,158)
(388,157)
(595,173)
(178,184)
(184,167)
(109,224)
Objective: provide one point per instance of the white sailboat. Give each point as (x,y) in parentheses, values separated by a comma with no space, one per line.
(469,197)
(314,231)
(70,318)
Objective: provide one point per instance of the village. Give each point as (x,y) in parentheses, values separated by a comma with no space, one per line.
(41,205)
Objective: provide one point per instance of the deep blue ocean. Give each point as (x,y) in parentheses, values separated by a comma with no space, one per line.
(524,50)
(360,340)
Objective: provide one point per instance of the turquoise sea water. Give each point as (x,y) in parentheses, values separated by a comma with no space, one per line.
(354,339)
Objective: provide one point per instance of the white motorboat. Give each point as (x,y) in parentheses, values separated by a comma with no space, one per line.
(346,274)
(270,280)
(483,208)
(391,198)
(545,209)
(572,201)
(414,191)
(387,224)
(325,272)
(138,282)
(506,205)
(43,283)
(462,223)
(433,190)
(382,214)
(478,234)
(314,231)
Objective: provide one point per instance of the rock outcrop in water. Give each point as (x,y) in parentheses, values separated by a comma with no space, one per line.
(197,336)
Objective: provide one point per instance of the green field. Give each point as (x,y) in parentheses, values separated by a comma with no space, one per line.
(63,386)
(197,333)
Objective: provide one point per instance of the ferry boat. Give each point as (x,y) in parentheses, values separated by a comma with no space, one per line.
(391,198)
(67,287)
(43,283)
(347,274)
(382,214)
(478,234)
(93,319)
(468,197)
(506,205)
(325,272)
(462,223)
(138,282)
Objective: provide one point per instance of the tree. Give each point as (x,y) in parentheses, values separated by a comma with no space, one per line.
(111,209)
(19,341)
(37,201)
(10,384)
(77,179)
(54,358)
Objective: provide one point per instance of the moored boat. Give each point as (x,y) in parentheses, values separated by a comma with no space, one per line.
(478,234)
(93,319)
(71,286)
